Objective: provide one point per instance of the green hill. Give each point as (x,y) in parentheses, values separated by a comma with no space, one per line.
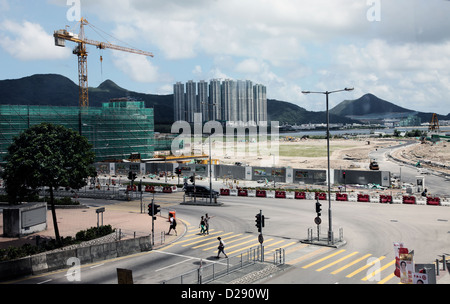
(286,112)
(57,90)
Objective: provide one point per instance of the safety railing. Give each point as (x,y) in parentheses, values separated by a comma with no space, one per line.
(210,272)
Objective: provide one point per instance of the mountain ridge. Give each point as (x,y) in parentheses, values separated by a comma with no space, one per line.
(58,90)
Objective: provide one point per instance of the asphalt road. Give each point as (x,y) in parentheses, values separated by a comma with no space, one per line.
(369,230)
(436,184)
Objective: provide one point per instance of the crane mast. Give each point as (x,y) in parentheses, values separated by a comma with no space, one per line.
(80,50)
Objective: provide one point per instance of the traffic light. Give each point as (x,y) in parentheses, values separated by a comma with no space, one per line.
(131,175)
(153,209)
(258,221)
(150,209)
(178,171)
(156,209)
(318,208)
(191,179)
(343,175)
(140,187)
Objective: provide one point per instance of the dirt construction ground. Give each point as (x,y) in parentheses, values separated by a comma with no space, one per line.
(312,153)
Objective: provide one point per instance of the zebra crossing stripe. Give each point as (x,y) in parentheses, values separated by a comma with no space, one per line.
(215,240)
(352,263)
(369,276)
(337,261)
(252,245)
(387,278)
(323,259)
(365,267)
(205,238)
(243,238)
(303,257)
(201,236)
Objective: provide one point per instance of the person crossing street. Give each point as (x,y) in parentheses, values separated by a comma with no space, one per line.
(221,247)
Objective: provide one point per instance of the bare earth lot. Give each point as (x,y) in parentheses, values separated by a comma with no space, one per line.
(312,153)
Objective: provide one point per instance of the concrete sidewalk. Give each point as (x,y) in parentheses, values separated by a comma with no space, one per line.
(123,216)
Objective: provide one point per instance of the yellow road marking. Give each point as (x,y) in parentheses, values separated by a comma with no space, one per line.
(252,245)
(323,259)
(378,270)
(284,246)
(201,236)
(365,267)
(245,237)
(317,251)
(205,239)
(337,261)
(352,263)
(215,241)
(386,278)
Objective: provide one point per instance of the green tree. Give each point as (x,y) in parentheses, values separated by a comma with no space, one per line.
(47,155)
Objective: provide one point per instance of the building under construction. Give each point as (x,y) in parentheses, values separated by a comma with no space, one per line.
(118,129)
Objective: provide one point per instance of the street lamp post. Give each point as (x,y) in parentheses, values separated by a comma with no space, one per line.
(330,228)
(210,164)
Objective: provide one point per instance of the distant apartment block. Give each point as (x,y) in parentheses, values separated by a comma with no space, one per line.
(225,101)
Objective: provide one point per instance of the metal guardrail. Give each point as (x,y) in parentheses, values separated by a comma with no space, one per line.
(205,274)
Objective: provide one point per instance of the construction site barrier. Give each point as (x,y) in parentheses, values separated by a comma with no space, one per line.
(225,192)
(167,189)
(409,199)
(129,188)
(300,195)
(363,198)
(320,196)
(433,201)
(280,194)
(260,193)
(341,197)
(386,199)
(149,188)
(242,192)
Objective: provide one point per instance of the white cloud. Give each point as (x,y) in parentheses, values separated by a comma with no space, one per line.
(29,41)
(137,67)
(285,45)
(414,76)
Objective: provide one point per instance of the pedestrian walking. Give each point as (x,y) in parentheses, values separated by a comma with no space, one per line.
(202,225)
(173,224)
(221,247)
(207,218)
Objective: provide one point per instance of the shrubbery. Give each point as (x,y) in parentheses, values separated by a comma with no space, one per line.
(12,253)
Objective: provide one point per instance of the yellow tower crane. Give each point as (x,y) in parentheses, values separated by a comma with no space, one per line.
(80,50)
(434,124)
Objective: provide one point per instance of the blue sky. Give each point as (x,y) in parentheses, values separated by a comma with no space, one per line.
(398,50)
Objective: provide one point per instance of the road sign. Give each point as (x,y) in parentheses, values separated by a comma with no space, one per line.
(260,238)
(317,220)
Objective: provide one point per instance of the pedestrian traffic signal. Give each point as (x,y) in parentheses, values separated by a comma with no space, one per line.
(318,208)
(153,209)
(156,209)
(131,175)
(259,221)
(150,207)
